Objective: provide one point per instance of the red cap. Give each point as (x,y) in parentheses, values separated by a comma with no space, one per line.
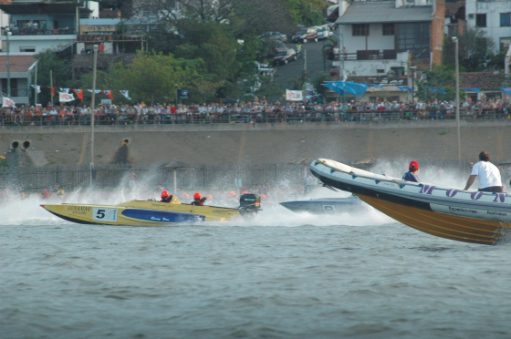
(165,194)
(197,196)
(414,165)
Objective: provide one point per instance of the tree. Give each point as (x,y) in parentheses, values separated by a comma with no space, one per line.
(125,6)
(308,12)
(152,77)
(475,51)
(257,16)
(60,69)
(213,43)
(438,83)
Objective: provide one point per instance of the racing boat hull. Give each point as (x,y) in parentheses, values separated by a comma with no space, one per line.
(477,217)
(324,206)
(140,213)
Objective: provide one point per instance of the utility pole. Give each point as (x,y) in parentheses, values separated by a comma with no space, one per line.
(7,34)
(92,113)
(51,87)
(457,70)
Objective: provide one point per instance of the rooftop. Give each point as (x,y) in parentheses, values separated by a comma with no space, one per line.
(384,11)
(17,63)
(482,80)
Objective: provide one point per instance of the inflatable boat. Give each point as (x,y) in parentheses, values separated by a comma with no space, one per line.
(477,217)
(151,212)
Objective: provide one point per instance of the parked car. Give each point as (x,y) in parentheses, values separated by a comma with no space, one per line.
(273,36)
(323,32)
(305,34)
(283,57)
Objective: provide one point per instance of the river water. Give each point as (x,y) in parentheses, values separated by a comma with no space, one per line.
(280,275)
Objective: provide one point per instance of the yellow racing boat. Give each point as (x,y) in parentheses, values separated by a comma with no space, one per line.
(150,212)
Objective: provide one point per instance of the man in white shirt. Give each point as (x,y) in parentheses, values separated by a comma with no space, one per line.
(487,173)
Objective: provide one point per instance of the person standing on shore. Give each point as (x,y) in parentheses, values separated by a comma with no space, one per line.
(487,174)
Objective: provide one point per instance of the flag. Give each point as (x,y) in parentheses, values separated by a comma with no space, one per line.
(8,102)
(79,93)
(37,88)
(108,93)
(125,93)
(293,95)
(97,91)
(66,97)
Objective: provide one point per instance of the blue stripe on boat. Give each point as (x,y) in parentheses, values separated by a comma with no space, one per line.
(159,216)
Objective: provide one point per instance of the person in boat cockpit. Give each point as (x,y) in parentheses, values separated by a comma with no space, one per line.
(487,174)
(413,169)
(198,200)
(166,196)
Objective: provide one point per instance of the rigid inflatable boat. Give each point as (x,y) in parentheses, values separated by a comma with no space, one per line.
(478,217)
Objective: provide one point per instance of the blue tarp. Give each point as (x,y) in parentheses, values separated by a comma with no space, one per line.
(405,88)
(438,90)
(346,87)
(506,90)
(472,90)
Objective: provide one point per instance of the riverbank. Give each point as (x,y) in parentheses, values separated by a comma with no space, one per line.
(247,144)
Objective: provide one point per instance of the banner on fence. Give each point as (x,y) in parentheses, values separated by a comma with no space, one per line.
(293,95)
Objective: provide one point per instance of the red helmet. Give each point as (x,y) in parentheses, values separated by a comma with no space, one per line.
(165,194)
(414,165)
(196,196)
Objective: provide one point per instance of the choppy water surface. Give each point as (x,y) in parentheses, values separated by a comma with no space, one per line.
(281,275)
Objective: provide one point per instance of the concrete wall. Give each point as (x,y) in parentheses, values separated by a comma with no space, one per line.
(278,144)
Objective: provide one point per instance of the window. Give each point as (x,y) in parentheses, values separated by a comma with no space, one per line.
(480,20)
(388,29)
(505,19)
(14,86)
(360,30)
(30,49)
(413,37)
(398,71)
(504,43)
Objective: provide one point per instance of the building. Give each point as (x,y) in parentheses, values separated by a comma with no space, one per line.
(38,25)
(17,74)
(493,17)
(31,27)
(117,39)
(384,38)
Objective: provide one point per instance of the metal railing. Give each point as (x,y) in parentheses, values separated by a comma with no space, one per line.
(20,118)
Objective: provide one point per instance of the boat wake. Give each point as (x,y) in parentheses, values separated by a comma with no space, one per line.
(26,211)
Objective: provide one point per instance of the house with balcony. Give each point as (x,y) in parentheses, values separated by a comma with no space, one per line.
(38,25)
(34,26)
(382,39)
(493,17)
(115,40)
(17,73)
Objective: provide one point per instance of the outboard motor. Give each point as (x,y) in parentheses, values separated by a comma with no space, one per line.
(249,203)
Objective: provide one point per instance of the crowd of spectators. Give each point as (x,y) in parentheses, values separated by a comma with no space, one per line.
(253,112)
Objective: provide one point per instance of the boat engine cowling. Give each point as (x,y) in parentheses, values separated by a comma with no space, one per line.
(249,203)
